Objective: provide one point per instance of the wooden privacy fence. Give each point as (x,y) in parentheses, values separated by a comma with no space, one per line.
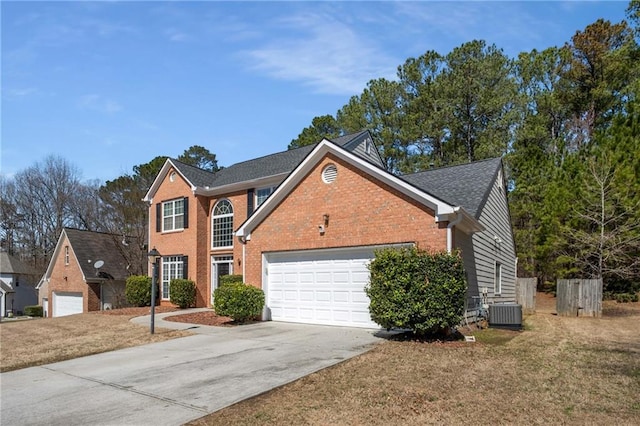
(579,298)
(526,294)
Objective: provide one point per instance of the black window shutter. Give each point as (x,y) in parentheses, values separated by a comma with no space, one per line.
(250,200)
(159,217)
(185,267)
(186,213)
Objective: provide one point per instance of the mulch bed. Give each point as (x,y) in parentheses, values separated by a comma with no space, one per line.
(201,318)
(136,312)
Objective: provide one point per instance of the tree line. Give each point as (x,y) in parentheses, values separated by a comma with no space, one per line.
(565,120)
(38,202)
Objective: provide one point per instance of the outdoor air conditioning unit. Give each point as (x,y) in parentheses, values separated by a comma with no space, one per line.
(505,315)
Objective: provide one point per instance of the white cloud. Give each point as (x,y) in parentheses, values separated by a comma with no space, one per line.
(19,92)
(322,52)
(176,35)
(99,103)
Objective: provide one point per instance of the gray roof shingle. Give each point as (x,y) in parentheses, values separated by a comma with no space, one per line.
(90,247)
(12,265)
(465,185)
(269,165)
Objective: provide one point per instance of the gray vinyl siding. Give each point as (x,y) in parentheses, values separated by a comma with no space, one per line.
(358,147)
(482,250)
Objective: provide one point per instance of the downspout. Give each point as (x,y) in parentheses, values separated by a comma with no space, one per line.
(243,241)
(450,226)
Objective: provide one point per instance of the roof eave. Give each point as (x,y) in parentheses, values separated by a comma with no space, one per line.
(238,186)
(323,148)
(168,164)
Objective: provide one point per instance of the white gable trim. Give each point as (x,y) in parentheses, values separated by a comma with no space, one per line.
(320,151)
(168,164)
(54,256)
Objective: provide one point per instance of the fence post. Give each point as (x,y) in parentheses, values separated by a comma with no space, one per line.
(526,294)
(568,298)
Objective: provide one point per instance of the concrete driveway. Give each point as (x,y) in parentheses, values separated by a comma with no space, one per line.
(176,381)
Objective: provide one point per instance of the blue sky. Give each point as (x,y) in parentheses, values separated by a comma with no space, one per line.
(109,85)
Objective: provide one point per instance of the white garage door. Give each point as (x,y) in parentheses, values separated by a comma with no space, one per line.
(320,287)
(67,304)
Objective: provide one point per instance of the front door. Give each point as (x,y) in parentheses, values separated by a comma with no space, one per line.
(220,265)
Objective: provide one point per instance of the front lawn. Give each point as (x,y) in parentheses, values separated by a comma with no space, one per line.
(46,340)
(559,371)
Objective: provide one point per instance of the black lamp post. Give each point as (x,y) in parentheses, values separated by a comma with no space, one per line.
(153,255)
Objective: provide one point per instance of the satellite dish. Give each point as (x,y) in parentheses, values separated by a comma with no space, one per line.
(98,264)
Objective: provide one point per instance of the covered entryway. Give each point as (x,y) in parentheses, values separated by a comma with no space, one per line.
(66,304)
(320,286)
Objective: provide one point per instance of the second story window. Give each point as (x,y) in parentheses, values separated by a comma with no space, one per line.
(262,194)
(66,255)
(222,225)
(173,215)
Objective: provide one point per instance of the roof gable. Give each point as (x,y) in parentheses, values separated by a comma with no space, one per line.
(12,265)
(439,206)
(245,173)
(193,176)
(467,185)
(89,247)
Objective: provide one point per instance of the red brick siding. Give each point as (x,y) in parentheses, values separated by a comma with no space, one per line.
(69,278)
(362,211)
(195,241)
(180,243)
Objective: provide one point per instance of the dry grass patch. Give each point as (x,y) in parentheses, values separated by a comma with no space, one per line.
(558,371)
(43,341)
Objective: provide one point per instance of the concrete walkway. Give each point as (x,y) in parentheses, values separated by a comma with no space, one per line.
(172,382)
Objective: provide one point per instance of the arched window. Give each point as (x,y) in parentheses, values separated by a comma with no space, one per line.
(222,224)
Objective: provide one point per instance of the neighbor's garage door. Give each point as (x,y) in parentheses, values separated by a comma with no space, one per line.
(320,287)
(67,304)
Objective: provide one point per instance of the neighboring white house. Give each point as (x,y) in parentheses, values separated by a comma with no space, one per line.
(17,285)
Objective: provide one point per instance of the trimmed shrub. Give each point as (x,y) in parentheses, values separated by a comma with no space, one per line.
(230,279)
(239,301)
(33,311)
(413,289)
(183,292)
(138,290)
(626,297)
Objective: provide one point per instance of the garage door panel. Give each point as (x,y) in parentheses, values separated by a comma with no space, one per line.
(67,304)
(323,296)
(307,295)
(328,287)
(341,296)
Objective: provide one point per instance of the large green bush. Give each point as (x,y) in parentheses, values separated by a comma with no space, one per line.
(33,311)
(239,301)
(230,279)
(417,290)
(138,290)
(183,293)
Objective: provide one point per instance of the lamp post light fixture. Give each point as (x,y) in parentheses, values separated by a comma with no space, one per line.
(153,256)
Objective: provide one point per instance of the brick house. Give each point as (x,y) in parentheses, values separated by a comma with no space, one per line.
(87,272)
(303,225)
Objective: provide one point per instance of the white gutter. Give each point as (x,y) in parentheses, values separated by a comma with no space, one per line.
(457,220)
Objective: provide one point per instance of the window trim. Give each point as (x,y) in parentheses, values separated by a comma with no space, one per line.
(66,255)
(173,216)
(257,202)
(176,260)
(221,216)
(497,278)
